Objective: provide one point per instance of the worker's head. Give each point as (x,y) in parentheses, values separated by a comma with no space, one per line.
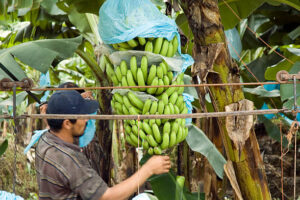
(69,102)
(70,85)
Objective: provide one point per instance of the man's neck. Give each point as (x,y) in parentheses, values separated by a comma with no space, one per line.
(63,135)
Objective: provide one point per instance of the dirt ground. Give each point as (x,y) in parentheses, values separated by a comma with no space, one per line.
(271,152)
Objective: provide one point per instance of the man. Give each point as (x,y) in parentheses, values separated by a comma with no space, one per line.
(63,171)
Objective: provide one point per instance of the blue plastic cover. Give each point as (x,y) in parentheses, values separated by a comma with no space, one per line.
(9,196)
(45,81)
(188,99)
(89,132)
(235,44)
(123,20)
(34,139)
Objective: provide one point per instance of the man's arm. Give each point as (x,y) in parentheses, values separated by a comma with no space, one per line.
(155,165)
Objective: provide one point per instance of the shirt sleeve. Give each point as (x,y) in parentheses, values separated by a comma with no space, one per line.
(85,181)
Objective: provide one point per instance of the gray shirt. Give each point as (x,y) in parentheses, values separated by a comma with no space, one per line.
(63,171)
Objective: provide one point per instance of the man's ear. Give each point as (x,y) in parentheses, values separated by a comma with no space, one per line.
(67,124)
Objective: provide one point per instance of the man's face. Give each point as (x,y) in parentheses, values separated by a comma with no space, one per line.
(78,127)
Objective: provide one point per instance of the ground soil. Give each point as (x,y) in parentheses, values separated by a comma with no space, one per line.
(271,152)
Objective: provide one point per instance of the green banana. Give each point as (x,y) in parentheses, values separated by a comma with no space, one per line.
(185,110)
(133,67)
(113,105)
(118,97)
(147,128)
(153,108)
(175,127)
(125,110)
(176,109)
(145,145)
(147,105)
(132,43)
(172,139)
(129,141)
(165,141)
(135,139)
(144,67)
(152,74)
(127,102)
(172,110)
(151,122)
(166,81)
(127,128)
(109,70)
(151,141)
(181,89)
(133,111)
(164,67)
(130,80)
(173,98)
(179,101)
(159,72)
(179,135)
(150,151)
(103,61)
(147,113)
(118,107)
(115,46)
(170,76)
(160,107)
(170,50)
(158,121)
(149,46)
(153,90)
(166,112)
(167,128)
(160,89)
(135,100)
(142,41)
(115,80)
(164,48)
(140,79)
(123,67)
(165,98)
(157,150)
(170,90)
(118,73)
(157,45)
(124,45)
(175,45)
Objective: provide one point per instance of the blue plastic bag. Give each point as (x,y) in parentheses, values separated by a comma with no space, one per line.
(235,44)
(34,139)
(9,196)
(123,20)
(45,81)
(188,99)
(89,132)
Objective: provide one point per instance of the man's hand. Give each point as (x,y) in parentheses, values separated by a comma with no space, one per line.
(158,164)
(43,108)
(87,95)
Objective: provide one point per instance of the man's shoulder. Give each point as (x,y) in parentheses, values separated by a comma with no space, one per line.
(48,149)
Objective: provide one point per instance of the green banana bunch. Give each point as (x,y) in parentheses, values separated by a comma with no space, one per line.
(154,135)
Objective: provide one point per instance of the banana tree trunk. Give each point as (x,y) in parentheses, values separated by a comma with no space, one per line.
(214,65)
(98,151)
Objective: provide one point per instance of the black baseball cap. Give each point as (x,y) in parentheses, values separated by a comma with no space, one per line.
(70,102)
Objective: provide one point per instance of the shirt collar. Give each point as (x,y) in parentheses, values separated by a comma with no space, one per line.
(59,141)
